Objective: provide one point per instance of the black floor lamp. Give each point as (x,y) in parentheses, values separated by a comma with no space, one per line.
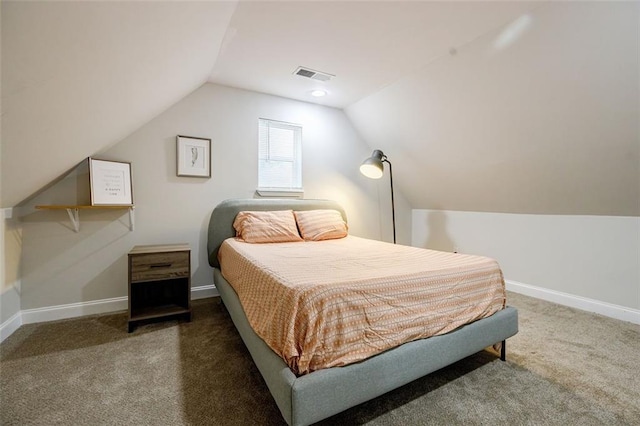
(373,168)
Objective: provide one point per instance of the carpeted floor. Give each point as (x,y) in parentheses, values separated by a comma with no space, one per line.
(565,367)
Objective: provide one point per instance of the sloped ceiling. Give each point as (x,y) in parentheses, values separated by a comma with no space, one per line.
(539,117)
(78,77)
(545,123)
(366,45)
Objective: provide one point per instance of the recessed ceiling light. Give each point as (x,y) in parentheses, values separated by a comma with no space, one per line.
(318,93)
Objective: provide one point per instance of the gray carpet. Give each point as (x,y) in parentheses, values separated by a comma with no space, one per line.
(564,367)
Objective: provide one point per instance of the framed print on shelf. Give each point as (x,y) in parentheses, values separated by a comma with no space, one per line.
(110,183)
(193,156)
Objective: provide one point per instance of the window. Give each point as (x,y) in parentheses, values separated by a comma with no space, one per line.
(279,157)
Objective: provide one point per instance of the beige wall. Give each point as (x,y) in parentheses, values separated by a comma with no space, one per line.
(594,257)
(61,266)
(11,250)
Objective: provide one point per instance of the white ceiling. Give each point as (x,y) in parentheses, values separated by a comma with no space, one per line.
(367,45)
(77,77)
(561,106)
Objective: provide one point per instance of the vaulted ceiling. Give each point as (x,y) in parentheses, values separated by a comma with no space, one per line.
(488,106)
(366,45)
(78,77)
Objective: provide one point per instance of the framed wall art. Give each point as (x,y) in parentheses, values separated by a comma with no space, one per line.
(110,183)
(193,156)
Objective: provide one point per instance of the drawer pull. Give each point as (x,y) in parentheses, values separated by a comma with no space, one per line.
(160,265)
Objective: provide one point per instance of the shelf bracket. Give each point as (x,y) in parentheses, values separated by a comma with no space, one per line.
(74,213)
(132,219)
(75,219)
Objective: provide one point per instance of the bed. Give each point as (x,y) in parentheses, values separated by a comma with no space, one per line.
(315,395)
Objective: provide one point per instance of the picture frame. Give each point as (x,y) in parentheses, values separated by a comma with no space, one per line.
(110,183)
(193,156)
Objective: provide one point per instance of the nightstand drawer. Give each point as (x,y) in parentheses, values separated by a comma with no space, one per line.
(154,266)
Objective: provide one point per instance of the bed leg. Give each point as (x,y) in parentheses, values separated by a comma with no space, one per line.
(503,351)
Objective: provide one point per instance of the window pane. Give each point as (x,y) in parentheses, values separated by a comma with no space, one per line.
(276,174)
(281,143)
(280,155)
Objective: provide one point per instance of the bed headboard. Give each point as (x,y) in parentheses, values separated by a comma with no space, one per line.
(222,217)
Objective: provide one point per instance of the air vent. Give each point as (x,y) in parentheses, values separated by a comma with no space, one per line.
(313,74)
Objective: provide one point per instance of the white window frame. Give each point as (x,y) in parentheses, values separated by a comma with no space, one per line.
(294,189)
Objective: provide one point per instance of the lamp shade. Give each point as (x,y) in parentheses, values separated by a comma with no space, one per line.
(372,167)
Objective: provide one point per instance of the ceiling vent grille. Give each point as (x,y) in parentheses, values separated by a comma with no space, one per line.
(313,74)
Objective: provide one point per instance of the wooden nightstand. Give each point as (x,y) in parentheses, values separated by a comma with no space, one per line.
(159,282)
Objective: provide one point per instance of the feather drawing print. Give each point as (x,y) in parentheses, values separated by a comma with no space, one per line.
(194,156)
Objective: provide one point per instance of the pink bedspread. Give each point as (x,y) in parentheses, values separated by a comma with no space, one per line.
(330,303)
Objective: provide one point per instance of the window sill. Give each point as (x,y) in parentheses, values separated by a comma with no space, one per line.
(279,193)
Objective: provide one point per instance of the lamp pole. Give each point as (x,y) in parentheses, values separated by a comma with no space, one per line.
(373,168)
(393,205)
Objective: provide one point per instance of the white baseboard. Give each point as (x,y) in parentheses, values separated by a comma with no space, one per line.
(52,313)
(73,310)
(204,291)
(603,308)
(9,326)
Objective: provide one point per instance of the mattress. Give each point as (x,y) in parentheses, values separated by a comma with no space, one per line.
(332,303)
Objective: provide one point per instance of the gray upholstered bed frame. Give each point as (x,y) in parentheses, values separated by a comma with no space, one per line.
(310,398)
